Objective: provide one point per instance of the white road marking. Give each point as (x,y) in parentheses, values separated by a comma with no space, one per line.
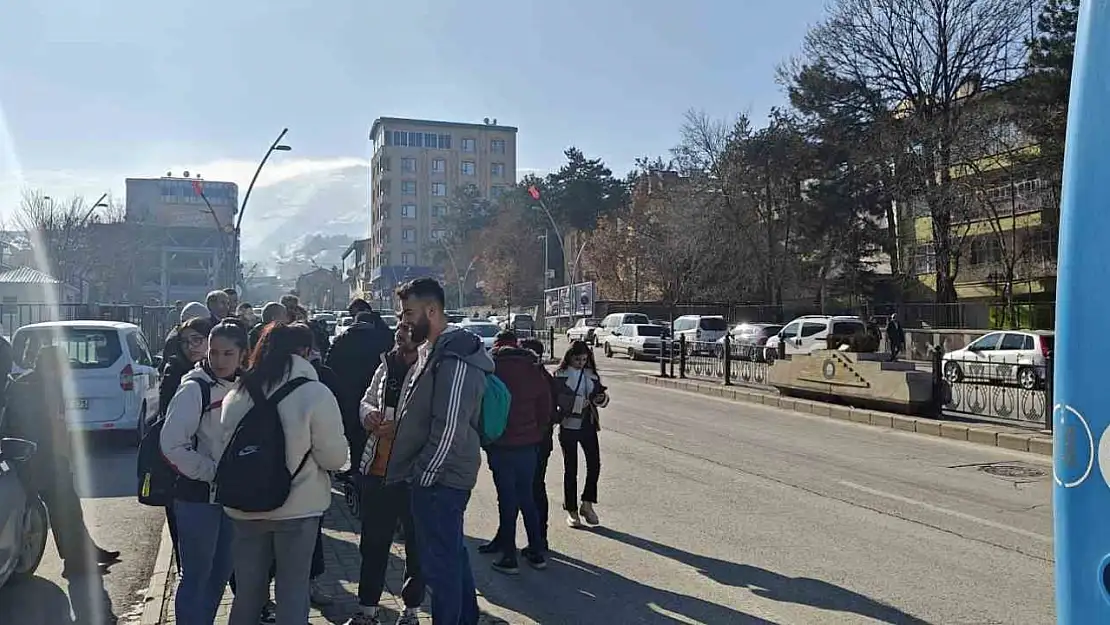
(654,429)
(954,513)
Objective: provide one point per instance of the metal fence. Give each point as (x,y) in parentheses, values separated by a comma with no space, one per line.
(155,321)
(1001,391)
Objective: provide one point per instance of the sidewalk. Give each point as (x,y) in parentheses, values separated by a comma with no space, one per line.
(340,580)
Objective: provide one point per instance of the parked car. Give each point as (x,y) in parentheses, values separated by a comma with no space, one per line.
(615,320)
(114,377)
(1010,357)
(636,340)
(485,330)
(455,316)
(24,524)
(810,333)
(583,330)
(328,319)
(748,340)
(699,331)
(390,320)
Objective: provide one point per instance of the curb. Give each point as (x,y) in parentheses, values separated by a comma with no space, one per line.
(161,579)
(1029,442)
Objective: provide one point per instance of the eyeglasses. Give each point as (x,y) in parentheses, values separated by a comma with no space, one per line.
(194,340)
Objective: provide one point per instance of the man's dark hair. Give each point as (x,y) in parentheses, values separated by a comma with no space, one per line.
(533,344)
(422,288)
(358,305)
(231,291)
(505,336)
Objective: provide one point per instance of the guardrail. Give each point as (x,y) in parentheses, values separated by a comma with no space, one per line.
(1001,389)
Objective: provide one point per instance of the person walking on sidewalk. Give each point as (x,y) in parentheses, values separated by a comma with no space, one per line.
(383,506)
(546,446)
(437,447)
(579,394)
(314,444)
(513,456)
(191,442)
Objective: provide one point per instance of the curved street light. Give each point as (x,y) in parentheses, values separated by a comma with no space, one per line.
(276,146)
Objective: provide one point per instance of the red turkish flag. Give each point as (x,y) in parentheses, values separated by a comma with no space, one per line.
(197,188)
(534,192)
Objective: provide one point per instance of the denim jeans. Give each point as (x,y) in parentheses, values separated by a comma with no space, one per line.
(514,469)
(286,545)
(204,534)
(437,513)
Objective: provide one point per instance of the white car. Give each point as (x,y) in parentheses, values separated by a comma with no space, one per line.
(114,381)
(637,340)
(1010,357)
(583,331)
(484,330)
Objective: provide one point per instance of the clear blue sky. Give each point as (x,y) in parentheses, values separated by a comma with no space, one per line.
(95,88)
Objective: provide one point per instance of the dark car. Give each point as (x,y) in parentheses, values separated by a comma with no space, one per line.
(747,340)
(24,523)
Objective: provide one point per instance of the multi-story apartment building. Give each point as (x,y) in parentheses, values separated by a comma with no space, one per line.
(1004,230)
(417,166)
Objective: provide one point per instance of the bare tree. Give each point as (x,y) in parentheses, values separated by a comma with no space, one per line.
(924,57)
(58,231)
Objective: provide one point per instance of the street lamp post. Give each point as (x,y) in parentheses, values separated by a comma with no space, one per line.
(276,146)
(535,193)
(97,204)
(459,277)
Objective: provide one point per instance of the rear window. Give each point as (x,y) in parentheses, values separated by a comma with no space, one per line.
(484,330)
(88,348)
(649,330)
(636,319)
(770,330)
(713,324)
(846,327)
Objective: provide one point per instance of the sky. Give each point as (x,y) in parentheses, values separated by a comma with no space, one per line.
(93,91)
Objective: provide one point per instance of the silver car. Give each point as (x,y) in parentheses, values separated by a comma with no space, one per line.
(23,520)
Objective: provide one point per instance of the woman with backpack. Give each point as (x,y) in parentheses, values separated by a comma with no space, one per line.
(285,384)
(191,442)
(578,395)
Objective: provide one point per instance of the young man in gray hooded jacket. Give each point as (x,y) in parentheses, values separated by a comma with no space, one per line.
(436,445)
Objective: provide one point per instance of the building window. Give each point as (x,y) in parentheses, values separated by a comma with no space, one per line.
(430,140)
(496,191)
(497,146)
(384,211)
(497,170)
(408,165)
(408,235)
(439,234)
(408,211)
(416,139)
(408,187)
(469,145)
(439,166)
(388,137)
(408,258)
(925,259)
(439,210)
(400,139)
(384,164)
(439,189)
(467,168)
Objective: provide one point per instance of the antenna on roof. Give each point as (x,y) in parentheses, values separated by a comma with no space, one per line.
(486,120)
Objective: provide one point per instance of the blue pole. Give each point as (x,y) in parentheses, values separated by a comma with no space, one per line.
(1081,414)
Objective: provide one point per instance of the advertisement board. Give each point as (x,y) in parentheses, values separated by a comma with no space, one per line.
(177,202)
(576,300)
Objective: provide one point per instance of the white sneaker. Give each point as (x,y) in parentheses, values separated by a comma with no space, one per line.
(573,520)
(588,513)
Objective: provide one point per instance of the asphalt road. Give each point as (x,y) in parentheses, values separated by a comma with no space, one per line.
(116,521)
(719,512)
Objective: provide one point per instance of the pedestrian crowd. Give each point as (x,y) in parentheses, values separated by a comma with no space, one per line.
(259,417)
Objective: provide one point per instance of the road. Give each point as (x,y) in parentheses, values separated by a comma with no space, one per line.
(719,512)
(116,521)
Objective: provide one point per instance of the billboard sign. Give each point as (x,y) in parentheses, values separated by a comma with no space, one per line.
(576,300)
(178,202)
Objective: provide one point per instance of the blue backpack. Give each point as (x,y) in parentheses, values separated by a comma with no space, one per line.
(495,409)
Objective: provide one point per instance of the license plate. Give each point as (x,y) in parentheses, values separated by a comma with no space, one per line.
(79,404)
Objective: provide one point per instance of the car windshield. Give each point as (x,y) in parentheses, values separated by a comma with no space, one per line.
(588,323)
(649,330)
(87,348)
(484,330)
(636,319)
(713,324)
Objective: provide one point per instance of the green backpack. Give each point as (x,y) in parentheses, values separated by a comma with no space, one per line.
(495,409)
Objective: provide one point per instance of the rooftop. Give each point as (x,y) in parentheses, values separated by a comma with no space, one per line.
(27,275)
(431,123)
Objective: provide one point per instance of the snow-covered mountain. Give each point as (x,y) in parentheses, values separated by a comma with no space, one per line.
(307,220)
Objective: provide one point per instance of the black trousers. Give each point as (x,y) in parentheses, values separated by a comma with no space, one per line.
(67,520)
(382,507)
(570,441)
(539,485)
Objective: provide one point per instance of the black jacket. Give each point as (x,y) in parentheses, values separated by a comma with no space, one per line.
(354,356)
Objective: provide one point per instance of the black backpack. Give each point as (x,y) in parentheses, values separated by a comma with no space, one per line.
(157,479)
(252,475)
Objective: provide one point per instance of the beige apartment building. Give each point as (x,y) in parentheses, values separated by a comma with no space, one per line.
(417,166)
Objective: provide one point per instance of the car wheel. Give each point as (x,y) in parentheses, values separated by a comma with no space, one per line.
(1027,378)
(952,372)
(36,528)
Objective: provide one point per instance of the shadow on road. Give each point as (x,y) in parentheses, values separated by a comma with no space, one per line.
(38,601)
(573,591)
(764,583)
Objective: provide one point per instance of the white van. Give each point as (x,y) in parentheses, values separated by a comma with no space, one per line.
(114,382)
(616,320)
(700,331)
(810,333)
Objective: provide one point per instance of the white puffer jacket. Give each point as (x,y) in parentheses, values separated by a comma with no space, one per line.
(192,437)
